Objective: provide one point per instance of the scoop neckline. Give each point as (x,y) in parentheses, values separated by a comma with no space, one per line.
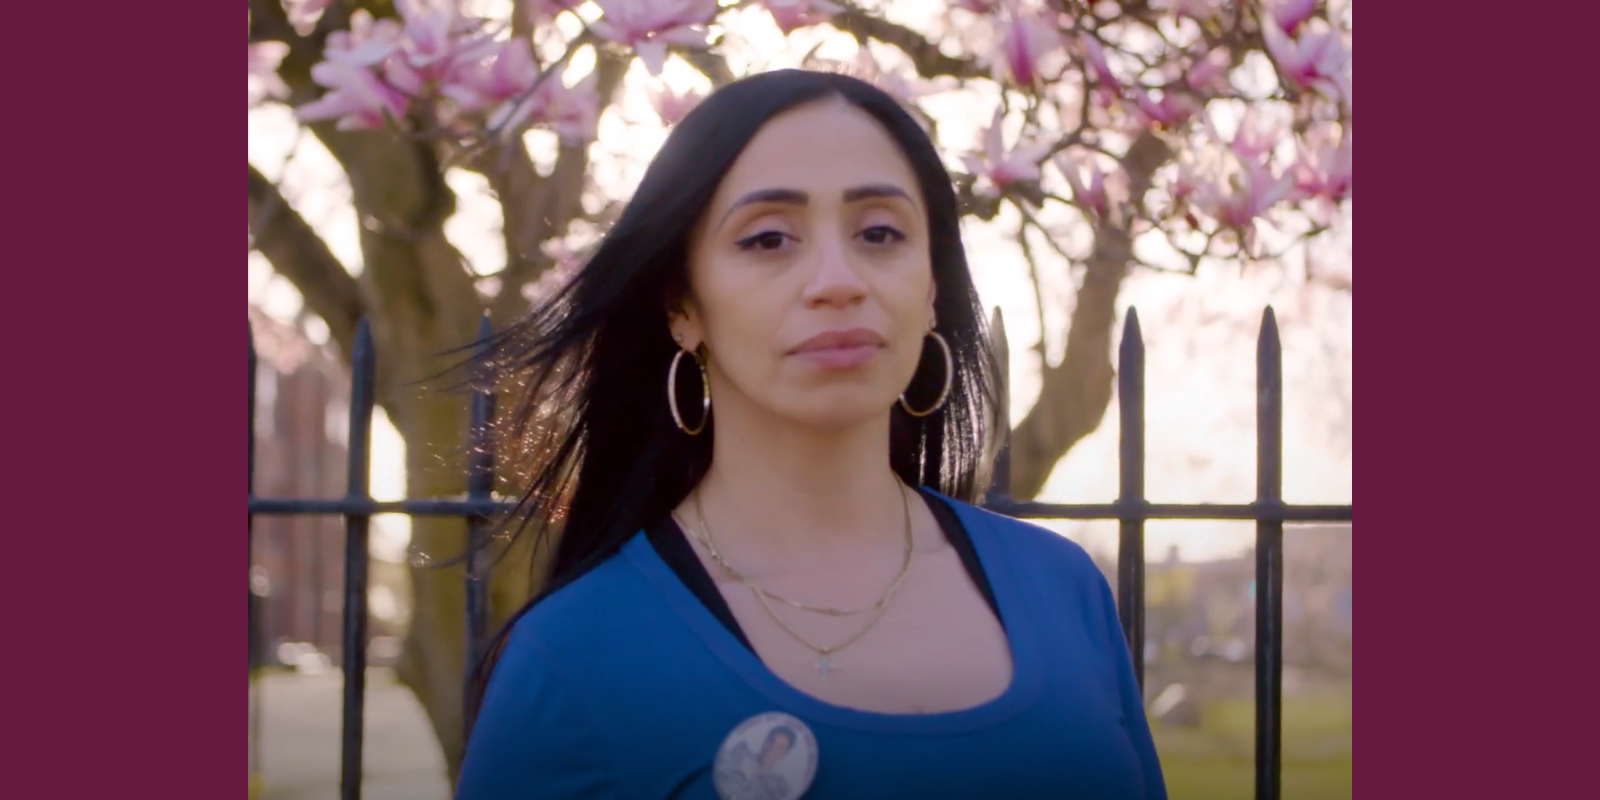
(1019,695)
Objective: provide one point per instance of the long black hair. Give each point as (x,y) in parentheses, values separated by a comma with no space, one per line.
(587,369)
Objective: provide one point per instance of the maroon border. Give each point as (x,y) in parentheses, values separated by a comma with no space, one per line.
(1474,681)
(121,614)
(118,579)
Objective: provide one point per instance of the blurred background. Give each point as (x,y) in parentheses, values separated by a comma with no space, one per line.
(425,163)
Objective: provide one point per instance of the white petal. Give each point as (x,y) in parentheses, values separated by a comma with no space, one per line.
(653,54)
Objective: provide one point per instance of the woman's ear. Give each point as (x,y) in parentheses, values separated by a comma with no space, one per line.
(684,340)
(684,326)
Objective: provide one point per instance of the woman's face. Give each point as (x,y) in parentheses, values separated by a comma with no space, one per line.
(809,275)
(775,749)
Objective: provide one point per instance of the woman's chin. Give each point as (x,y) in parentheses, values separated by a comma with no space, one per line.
(840,412)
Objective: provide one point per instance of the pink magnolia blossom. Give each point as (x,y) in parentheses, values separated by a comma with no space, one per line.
(671,106)
(1184,182)
(1288,14)
(431,35)
(574,113)
(1106,97)
(1000,167)
(1089,193)
(977,6)
(1027,38)
(438,44)
(264,81)
(540,12)
(571,112)
(648,26)
(1199,10)
(1209,75)
(1252,140)
(1247,190)
(356,97)
(791,15)
(1172,110)
(483,84)
(368,42)
(1324,173)
(901,88)
(1316,60)
(1095,57)
(303,13)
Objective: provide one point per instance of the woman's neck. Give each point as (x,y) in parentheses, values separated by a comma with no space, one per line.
(796,493)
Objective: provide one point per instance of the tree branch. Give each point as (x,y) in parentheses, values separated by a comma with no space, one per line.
(709,64)
(1074,394)
(521,20)
(416,285)
(299,255)
(270,23)
(925,56)
(537,208)
(1038,288)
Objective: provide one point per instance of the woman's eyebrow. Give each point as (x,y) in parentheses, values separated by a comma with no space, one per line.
(799,198)
(875,191)
(787,196)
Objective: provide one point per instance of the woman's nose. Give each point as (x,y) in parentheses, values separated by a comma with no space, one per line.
(834,279)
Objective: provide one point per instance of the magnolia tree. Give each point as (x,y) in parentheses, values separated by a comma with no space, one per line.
(1168,135)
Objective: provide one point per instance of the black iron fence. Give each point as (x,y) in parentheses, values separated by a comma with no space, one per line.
(1131,509)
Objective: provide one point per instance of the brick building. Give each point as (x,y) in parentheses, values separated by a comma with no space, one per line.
(302,412)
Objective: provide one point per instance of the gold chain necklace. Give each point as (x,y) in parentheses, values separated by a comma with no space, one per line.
(704,537)
(824,654)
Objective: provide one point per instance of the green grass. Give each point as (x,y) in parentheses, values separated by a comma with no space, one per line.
(275,669)
(1190,779)
(1216,759)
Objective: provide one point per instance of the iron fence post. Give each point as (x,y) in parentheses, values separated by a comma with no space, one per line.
(1130,500)
(1269,560)
(480,488)
(253,618)
(363,370)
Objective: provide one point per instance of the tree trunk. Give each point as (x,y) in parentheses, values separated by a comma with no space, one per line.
(423,309)
(433,664)
(414,328)
(1074,395)
(415,333)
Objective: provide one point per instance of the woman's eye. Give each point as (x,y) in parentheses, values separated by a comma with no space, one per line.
(766,240)
(882,234)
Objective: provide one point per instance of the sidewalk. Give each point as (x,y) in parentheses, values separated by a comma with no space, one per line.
(300,730)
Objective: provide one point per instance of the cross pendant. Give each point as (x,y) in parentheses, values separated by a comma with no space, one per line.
(825,665)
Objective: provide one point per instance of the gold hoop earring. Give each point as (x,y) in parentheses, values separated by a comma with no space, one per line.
(672,393)
(949,379)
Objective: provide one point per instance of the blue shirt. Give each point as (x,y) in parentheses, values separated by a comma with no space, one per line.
(623,685)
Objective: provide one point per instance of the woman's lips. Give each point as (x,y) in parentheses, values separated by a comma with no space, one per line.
(840,350)
(840,358)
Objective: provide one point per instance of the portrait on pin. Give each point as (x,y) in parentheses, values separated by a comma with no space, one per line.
(767,760)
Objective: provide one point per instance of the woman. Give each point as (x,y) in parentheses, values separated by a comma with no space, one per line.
(778,386)
(755,774)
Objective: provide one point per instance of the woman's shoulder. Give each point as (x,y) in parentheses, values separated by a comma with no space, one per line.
(576,613)
(1025,541)
(540,730)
